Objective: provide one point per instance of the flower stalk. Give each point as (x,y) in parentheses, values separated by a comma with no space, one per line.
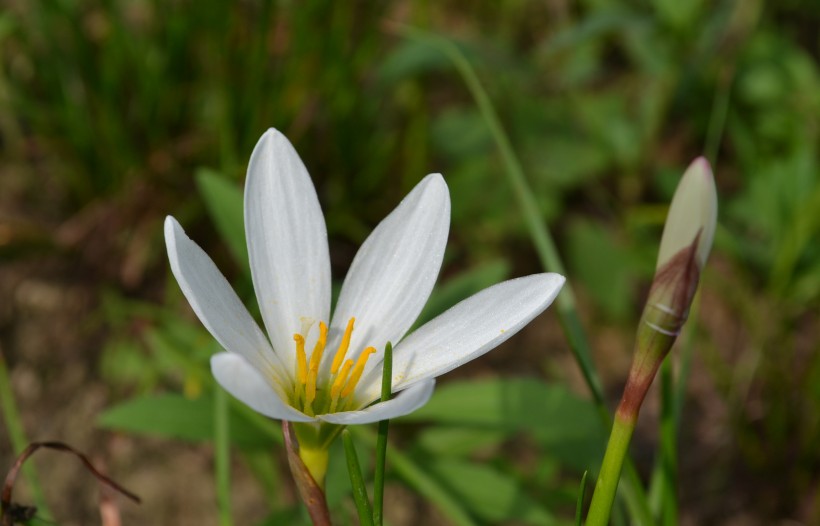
(685,246)
(309,474)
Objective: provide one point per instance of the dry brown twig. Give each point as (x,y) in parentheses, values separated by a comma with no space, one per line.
(11,513)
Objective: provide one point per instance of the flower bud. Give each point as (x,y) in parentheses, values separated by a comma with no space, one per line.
(685,245)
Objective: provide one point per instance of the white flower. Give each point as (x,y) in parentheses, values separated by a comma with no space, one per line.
(314,371)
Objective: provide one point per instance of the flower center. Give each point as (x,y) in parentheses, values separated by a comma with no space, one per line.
(335,394)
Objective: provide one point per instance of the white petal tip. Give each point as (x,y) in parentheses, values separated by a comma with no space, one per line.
(169,225)
(436,182)
(435,177)
(693,212)
(551,281)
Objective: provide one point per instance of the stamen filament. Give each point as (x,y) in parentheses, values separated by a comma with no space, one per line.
(340,354)
(357,371)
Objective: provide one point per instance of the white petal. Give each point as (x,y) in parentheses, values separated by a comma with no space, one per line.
(466,331)
(402,404)
(693,211)
(394,271)
(215,302)
(245,383)
(287,243)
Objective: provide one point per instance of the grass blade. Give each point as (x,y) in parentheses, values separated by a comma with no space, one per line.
(419,480)
(579,504)
(17,437)
(381,441)
(544,244)
(222,457)
(548,254)
(669,443)
(357,481)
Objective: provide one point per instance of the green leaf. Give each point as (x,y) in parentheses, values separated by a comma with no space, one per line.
(174,416)
(563,423)
(225,205)
(488,493)
(410,59)
(460,441)
(603,266)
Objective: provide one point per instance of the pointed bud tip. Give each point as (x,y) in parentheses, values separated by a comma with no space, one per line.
(693,210)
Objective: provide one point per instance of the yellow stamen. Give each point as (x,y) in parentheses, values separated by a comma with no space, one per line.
(357,371)
(301,358)
(319,348)
(340,380)
(315,360)
(340,354)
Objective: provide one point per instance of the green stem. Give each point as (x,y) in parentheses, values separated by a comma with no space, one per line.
(381,441)
(357,481)
(222,454)
(668,447)
(673,386)
(17,436)
(717,117)
(607,484)
(418,479)
(579,504)
(544,244)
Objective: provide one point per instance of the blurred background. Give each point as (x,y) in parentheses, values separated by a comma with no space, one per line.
(114,114)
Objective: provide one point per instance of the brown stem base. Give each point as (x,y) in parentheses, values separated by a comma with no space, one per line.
(309,491)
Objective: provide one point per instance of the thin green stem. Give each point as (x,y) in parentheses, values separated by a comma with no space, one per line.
(717,117)
(544,244)
(669,445)
(418,479)
(579,504)
(381,441)
(18,438)
(357,481)
(607,484)
(659,489)
(222,457)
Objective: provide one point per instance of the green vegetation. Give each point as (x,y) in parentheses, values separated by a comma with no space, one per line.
(114,114)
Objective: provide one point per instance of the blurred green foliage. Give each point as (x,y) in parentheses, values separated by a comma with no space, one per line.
(151,108)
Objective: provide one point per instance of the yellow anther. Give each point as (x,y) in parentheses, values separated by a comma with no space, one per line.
(301,358)
(340,380)
(319,348)
(340,354)
(310,392)
(315,360)
(357,371)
